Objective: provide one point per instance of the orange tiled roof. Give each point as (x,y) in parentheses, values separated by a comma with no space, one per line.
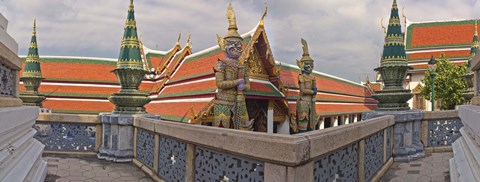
(440,34)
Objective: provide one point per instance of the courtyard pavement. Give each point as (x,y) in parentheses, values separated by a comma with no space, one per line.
(434,167)
(86,169)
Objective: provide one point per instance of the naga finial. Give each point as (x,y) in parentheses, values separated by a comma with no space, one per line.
(178,39)
(189,41)
(264,14)
(304,46)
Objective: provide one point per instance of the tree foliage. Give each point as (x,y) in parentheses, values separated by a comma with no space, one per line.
(449,84)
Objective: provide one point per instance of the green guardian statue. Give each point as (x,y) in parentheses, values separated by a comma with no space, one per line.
(231,77)
(306,115)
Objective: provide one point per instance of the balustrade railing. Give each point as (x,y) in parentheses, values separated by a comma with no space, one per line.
(68,133)
(177,152)
(440,129)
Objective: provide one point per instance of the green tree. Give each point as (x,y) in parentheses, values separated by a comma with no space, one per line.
(449,84)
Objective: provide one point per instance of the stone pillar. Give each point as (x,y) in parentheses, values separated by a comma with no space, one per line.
(322,123)
(284,127)
(407,144)
(118,137)
(270,117)
(335,121)
(347,119)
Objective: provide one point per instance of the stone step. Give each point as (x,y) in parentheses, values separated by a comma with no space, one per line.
(453,171)
(38,171)
(473,151)
(22,161)
(461,160)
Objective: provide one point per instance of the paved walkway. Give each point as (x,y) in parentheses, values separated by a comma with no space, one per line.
(434,167)
(65,169)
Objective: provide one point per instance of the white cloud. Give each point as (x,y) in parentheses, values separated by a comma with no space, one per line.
(345,37)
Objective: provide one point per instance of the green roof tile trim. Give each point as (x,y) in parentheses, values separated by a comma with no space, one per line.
(295,69)
(418,60)
(32,63)
(273,92)
(189,93)
(149,55)
(130,57)
(76,60)
(293,98)
(173,118)
(430,24)
(394,49)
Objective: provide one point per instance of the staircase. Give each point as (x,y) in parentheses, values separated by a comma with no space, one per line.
(20,153)
(465,164)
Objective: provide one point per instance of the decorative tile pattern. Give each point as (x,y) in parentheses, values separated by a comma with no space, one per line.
(172,157)
(7,81)
(443,132)
(215,166)
(66,137)
(145,145)
(340,165)
(389,140)
(373,154)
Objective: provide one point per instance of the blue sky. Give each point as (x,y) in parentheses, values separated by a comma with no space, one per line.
(345,37)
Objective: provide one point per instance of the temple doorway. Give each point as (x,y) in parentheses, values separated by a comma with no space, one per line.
(257,110)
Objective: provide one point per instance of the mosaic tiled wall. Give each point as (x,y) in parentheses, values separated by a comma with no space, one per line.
(172,159)
(145,147)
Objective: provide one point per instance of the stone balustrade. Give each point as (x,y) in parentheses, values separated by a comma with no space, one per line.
(69,133)
(440,129)
(178,152)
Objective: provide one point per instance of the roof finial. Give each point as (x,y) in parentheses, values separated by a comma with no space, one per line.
(264,14)
(178,39)
(404,17)
(189,43)
(34,25)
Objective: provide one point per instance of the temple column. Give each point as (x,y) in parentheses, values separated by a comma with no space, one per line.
(335,121)
(322,123)
(270,117)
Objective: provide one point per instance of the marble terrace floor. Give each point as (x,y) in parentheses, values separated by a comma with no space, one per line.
(434,167)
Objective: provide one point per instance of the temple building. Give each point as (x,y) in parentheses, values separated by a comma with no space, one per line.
(182,86)
(456,39)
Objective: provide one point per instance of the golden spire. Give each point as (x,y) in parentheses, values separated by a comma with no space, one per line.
(34,26)
(476,28)
(264,14)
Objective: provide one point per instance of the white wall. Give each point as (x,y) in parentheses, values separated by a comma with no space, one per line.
(6,39)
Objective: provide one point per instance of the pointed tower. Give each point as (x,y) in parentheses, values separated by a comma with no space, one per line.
(393,67)
(32,74)
(469,93)
(130,71)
